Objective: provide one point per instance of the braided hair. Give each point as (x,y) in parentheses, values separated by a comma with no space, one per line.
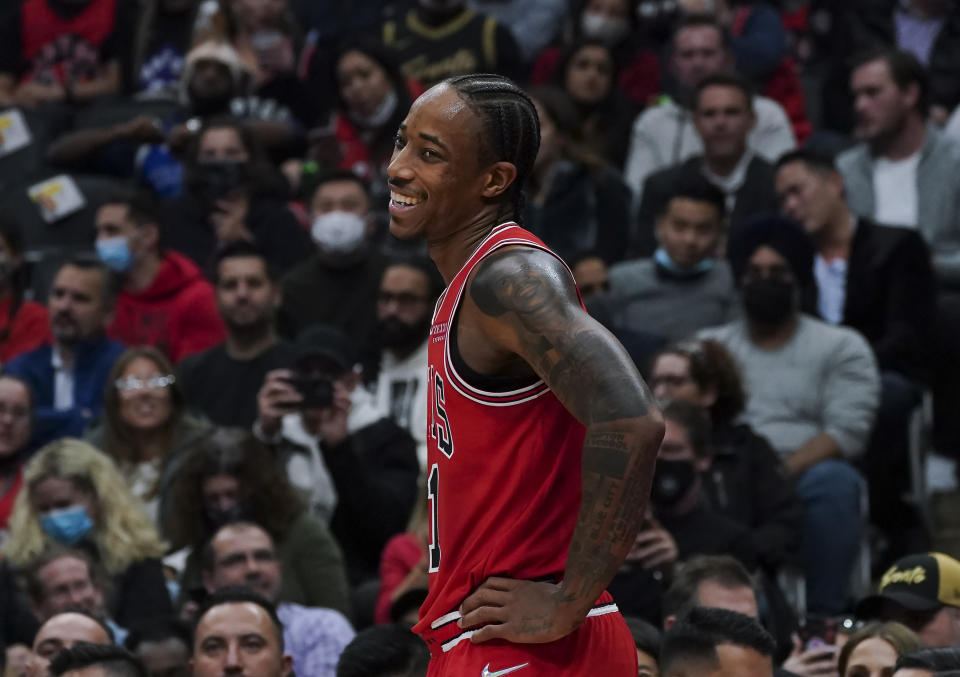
(511,127)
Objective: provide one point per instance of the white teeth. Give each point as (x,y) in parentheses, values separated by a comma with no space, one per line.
(403,199)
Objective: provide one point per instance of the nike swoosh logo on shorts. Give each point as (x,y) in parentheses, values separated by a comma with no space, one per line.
(486,670)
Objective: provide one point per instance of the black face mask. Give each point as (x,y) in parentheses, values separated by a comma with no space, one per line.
(400,336)
(212,181)
(238,512)
(671,481)
(768,302)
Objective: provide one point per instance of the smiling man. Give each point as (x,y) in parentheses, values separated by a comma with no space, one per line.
(537,417)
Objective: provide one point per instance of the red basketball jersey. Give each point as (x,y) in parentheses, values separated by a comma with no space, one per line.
(504,468)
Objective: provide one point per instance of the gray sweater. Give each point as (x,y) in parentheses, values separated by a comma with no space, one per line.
(645,300)
(823,380)
(938,196)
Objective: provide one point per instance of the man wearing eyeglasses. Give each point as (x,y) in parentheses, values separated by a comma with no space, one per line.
(408,291)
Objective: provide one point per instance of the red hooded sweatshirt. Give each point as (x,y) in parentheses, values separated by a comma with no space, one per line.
(176,314)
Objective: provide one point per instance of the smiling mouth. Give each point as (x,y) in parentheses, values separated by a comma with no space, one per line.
(396,199)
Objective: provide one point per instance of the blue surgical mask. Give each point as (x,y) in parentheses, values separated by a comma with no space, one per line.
(664,261)
(115,253)
(68,526)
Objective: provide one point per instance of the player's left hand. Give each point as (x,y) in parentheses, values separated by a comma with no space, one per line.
(526,612)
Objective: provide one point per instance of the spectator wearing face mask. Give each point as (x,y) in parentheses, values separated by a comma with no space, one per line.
(813,390)
(73,495)
(164,301)
(614,23)
(232,193)
(343,259)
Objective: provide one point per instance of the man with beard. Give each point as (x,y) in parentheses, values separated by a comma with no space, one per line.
(812,391)
(904,171)
(356,468)
(408,290)
(247,296)
(68,378)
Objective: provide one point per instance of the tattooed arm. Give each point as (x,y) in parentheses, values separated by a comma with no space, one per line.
(524,303)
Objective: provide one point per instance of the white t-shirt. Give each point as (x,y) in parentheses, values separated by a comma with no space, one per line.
(895,188)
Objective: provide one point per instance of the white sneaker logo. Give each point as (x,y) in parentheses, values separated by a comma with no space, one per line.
(486,670)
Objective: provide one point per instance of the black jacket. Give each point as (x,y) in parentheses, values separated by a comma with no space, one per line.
(748,483)
(375,472)
(756,196)
(891,295)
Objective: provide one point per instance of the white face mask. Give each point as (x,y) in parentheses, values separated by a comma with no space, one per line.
(378,117)
(605,28)
(338,232)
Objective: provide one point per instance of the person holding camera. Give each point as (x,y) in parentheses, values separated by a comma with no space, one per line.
(357,469)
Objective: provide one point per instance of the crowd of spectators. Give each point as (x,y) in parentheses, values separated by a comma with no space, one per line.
(213,353)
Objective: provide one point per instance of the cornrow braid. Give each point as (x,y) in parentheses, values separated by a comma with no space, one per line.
(511,127)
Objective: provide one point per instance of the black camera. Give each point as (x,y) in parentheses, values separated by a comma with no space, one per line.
(315,389)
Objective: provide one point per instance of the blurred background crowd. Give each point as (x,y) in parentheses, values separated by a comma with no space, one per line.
(214,353)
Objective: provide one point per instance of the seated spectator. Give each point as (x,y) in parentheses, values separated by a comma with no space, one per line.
(615,24)
(159,48)
(247,296)
(403,565)
(24,325)
(922,592)
(677,492)
(577,199)
(384,651)
(268,42)
(97,659)
(587,73)
(408,291)
(903,172)
(746,479)
(242,554)
(213,84)
(937,662)
(685,286)
(18,626)
(878,280)
(145,429)
(434,41)
(372,98)
(875,648)
(343,258)
(15,406)
(760,47)
(533,23)
(664,135)
(232,193)
(812,391)
(75,496)
(162,645)
(591,275)
(62,580)
(723,116)
(680,524)
(226,624)
(68,378)
(64,631)
(56,52)
(715,643)
(647,639)
(164,301)
(229,476)
(358,468)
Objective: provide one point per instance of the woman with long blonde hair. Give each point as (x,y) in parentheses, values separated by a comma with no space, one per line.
(74,495)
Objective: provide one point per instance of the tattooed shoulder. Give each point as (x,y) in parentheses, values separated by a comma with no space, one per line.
(526,281)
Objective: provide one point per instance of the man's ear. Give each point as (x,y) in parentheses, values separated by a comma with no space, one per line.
(669,621)
(500,177)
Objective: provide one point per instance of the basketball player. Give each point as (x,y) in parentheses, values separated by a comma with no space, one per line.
(542,435)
